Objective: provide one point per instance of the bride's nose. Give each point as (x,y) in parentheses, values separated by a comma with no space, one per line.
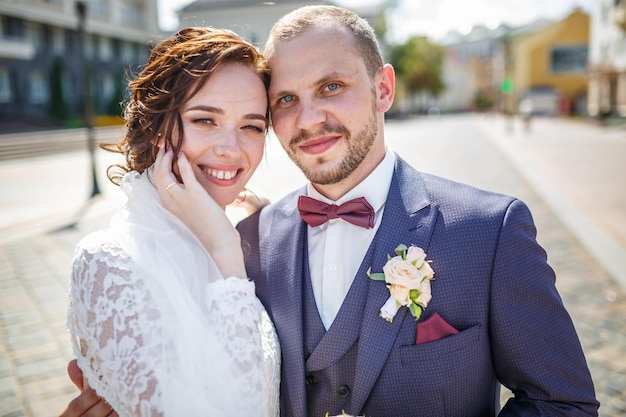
(228,143)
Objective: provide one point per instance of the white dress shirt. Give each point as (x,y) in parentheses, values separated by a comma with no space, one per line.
(337,248)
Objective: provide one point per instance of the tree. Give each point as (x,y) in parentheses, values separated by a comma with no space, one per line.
(418,63)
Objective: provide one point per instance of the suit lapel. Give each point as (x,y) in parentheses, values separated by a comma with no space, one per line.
(409,218)
(343,333)
(283,243)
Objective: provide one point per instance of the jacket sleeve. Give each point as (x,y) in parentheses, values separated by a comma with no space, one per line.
(536,351)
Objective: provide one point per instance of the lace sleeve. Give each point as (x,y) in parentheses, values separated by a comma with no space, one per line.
(251,340)
(171,346)
(109,318)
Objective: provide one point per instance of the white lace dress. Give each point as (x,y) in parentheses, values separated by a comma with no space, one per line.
(157,331)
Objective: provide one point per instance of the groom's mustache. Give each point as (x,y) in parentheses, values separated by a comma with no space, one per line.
(326,129)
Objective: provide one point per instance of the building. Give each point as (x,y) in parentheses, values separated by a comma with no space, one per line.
(548,66)
(607,59)
(251,19)
(44,55)
(473,69)
(542,61)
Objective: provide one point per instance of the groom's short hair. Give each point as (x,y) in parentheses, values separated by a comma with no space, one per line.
(311,17)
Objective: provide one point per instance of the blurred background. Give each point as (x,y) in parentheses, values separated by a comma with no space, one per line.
(522,97)
(563,57)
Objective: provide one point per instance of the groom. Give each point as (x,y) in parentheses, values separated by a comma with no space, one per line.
(495,316)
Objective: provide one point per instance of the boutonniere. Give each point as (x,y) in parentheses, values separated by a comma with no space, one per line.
(408,276)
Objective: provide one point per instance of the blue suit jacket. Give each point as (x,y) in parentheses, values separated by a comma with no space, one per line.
(492,283)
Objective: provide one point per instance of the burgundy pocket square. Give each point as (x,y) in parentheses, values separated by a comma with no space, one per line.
(433,328)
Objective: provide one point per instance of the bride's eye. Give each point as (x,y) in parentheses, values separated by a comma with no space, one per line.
(204,121)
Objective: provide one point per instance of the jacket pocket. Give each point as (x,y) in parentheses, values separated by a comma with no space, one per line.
(437,348)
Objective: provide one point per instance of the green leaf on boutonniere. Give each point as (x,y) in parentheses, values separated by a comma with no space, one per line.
(414,294)
(376,276)
(415,310)
(401,250)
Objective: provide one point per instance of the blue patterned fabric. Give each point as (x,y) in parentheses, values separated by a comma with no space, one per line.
(492,283)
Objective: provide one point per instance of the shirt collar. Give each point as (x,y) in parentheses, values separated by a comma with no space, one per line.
(374,187)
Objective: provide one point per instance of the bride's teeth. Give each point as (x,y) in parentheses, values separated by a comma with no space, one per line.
(222,174)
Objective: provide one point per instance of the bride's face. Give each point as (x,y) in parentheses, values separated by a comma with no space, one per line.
(224,131)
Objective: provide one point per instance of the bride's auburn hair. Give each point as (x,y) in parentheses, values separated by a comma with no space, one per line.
(177,69)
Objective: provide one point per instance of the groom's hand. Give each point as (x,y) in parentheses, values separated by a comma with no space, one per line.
(87,404)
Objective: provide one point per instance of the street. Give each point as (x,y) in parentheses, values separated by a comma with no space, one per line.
(571,174)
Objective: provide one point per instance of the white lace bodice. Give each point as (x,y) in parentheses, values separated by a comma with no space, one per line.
(153,341)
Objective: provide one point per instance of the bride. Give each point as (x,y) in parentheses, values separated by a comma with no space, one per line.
(163,324)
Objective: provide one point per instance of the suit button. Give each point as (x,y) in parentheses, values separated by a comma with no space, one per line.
(343,391)
(311,380)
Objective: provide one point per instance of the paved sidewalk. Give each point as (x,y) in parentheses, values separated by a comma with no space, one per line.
(579,169)
(579,163)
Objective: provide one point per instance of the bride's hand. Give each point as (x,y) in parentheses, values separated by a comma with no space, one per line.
(190,202)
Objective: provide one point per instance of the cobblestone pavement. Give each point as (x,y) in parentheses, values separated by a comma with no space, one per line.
(34,268)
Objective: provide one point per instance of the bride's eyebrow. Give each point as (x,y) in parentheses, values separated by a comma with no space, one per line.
(206,108)
(255,116)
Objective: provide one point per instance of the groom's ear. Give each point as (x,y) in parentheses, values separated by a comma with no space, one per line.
(385,87)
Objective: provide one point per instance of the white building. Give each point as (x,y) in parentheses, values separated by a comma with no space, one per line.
(250,19)
(607,59)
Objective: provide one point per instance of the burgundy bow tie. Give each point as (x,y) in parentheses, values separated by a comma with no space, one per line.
(357,211)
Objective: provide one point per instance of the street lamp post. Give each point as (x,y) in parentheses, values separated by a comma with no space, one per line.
(81,10)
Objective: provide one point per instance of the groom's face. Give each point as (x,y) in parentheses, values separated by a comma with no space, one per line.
(323,104)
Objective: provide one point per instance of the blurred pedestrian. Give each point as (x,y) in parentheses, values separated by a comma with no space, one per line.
(526,111)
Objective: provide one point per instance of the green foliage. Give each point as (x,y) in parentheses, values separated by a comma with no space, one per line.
(482,101)
(58,110)
(114,107)
(419,63)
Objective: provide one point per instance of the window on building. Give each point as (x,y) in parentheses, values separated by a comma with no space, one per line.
(106,49)
(5,85)
(38,93)
(108,86)
(88,46)
(99,8)
(34,33)
(569,59)
(58,41)
(128,52)
(133,14)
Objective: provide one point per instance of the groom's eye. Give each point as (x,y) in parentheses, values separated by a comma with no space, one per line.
(287,99)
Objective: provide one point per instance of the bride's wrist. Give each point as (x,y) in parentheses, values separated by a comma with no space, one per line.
(230,262)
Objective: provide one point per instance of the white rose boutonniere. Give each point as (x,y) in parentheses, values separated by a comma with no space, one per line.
(408,276)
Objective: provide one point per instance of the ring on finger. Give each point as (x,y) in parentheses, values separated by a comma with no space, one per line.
(170,185)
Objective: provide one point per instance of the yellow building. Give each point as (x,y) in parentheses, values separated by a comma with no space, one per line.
(548,65)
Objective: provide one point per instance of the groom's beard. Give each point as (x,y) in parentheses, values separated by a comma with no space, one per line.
(359,146)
